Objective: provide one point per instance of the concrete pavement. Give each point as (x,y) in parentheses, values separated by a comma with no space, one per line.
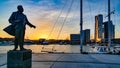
(76,61)
(71,61)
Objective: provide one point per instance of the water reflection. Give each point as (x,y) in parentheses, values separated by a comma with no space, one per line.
(58,48)
(41,48)
(50,48)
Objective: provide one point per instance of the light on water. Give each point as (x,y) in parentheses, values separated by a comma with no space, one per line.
(41,48)
(59,48)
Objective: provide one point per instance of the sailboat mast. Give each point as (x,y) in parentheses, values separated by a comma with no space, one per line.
(109,32)
(81,25)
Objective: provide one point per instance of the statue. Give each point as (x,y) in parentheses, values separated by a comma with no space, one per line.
(19,21)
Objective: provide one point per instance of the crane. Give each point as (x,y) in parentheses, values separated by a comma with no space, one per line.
(112,12)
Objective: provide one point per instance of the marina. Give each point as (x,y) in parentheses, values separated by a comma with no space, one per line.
(51,56)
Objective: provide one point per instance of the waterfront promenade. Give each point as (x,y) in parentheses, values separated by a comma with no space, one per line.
(69,60)
(65,56)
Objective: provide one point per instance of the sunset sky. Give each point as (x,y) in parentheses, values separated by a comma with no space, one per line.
(46,14)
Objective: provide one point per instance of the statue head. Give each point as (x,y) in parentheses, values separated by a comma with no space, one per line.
(20,8)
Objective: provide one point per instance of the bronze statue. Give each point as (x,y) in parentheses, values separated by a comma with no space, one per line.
(19,21)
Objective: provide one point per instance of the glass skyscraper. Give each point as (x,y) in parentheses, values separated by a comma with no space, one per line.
(98,27)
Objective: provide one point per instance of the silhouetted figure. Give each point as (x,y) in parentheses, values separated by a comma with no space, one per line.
(19,20)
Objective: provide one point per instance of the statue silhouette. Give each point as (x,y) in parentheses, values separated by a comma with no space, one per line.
(19,20)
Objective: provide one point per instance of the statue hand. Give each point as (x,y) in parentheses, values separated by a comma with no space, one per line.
(34,26)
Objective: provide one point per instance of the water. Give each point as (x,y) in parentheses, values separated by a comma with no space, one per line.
(48,48)
(55,48)
(45,48)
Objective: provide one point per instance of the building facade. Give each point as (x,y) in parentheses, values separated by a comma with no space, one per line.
(98,28)
(75,38)
(106,30)
(86,39)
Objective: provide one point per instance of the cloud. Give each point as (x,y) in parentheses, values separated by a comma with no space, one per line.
(91,9)
(44,13)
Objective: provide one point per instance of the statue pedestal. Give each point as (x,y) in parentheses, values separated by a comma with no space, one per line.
(19,59)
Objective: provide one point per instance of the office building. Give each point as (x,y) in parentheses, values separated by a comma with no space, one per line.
(98,28)
(75,38)
(106,31)
(86,39)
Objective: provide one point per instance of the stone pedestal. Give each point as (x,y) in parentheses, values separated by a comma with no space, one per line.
(19,59)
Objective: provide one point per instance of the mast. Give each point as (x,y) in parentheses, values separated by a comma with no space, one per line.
(81,26)
(109,32)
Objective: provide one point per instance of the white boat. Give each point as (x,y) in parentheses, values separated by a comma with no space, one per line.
(101,49)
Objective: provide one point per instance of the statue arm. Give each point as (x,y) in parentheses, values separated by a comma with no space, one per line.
(28,23)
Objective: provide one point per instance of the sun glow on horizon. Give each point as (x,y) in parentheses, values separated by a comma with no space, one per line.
(44,36)
(43,14)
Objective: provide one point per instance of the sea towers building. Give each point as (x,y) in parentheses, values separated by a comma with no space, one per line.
(98,28)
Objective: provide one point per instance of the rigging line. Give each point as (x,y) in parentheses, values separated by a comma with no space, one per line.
(90,11)
(3,64)
(75,15)
(58,59)
(65,18)
(100,7)
(104,19)
(115,22)
(103,8)
(78,7)
(57,19)
(114,12)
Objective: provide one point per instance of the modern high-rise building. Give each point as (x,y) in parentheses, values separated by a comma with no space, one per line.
(98,28)
(111,29)
(86,39)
